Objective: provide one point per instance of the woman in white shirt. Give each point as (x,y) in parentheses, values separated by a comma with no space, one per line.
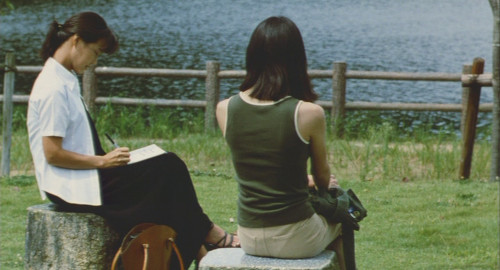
(73,170)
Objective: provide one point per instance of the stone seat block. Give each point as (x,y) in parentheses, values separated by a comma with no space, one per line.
(66,240)
(235,258)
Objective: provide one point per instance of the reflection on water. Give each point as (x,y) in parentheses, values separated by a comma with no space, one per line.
(384,35)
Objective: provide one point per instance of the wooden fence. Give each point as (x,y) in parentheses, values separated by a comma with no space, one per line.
(471,85)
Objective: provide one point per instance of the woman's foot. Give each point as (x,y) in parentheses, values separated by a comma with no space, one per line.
(201,253)
(219,238)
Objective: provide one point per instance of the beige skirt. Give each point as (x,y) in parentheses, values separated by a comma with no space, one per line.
(306,238)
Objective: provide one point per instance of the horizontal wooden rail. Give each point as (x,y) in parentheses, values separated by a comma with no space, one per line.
(467,80)
(232,73)
(396,106)
(150,72)
(403,76)
(477,80)
(152,102)
(28,69)
(351,106)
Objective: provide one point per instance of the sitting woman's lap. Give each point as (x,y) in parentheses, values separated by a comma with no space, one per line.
(306,238)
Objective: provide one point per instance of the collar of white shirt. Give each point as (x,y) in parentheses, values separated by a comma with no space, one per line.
(61,71)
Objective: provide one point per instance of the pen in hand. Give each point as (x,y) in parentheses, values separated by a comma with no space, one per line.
(111,140)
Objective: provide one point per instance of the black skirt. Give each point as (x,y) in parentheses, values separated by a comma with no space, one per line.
(158,190)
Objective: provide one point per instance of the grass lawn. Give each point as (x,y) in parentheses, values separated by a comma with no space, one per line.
(410,225)
(419,215)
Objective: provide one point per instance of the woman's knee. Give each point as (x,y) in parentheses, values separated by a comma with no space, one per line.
(172,159)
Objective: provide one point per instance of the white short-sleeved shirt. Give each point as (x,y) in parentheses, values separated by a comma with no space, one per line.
(56,109)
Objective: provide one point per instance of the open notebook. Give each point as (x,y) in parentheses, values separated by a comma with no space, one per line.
(146,152)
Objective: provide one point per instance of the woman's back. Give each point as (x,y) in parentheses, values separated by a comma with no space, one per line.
(270,159)
(272,128)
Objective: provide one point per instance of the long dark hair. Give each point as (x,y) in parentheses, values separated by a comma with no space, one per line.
(89,26)
(276,62)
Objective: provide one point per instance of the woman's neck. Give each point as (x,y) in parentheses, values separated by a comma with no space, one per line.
(63,55)
(245,95)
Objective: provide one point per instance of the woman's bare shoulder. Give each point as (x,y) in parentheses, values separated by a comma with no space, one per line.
(311,120)
(223,103)
(222,106)
(311,110)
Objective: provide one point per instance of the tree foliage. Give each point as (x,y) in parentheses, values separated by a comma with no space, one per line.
(6,5)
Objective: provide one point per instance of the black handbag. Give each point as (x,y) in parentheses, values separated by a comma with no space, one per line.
(338,206)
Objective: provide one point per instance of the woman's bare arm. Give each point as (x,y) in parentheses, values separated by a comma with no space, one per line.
(312,127)
(221,114)
(57,156)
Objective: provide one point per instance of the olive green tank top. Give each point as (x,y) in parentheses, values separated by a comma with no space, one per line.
(270,160)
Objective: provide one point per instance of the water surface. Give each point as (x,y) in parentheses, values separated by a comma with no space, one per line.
(382,35)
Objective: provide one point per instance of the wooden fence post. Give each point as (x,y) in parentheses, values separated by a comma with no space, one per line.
(466,69)
(89,88)
(338,98)
(469,131)
(212,86)
(8,91)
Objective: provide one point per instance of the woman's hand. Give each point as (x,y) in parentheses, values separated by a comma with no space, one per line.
(332,184)
(310,181)
(118,157)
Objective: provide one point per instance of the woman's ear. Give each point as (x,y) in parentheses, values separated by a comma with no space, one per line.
(75,39)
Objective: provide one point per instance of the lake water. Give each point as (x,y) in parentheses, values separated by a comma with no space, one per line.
(377,35)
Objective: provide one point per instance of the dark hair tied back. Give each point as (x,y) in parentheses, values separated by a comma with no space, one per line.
(89,26)
(55,37)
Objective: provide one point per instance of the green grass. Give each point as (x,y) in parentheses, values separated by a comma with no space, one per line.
(16,195)
(428,225)
(420,215)
(441,224)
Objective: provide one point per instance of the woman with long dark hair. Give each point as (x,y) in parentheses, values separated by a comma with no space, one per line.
(273,128)
(76,174)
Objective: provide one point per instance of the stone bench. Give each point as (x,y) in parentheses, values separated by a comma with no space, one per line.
(235,258)
(68,240)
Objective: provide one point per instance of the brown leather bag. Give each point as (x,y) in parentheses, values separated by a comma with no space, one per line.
(148,246)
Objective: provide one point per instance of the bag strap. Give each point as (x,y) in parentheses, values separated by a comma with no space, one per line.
(146,255)
(115,259)
(348,247)
(177,252)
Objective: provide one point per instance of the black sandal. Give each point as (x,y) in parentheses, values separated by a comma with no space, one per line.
(210,246)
